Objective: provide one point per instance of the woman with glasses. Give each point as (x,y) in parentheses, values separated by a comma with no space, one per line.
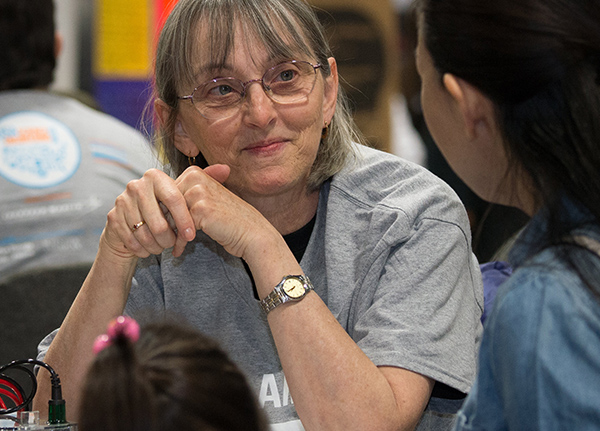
(511,94)
(338,277)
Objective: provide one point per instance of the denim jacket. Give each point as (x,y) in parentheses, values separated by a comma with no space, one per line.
(539,361)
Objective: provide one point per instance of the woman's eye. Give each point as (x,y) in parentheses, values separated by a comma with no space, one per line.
(220,90)
(224,89)
(287,75)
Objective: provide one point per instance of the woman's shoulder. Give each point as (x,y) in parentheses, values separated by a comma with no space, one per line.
(542,341)
(542,294)
(379,165)
(377,179)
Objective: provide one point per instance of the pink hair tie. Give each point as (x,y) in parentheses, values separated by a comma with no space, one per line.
(121,326)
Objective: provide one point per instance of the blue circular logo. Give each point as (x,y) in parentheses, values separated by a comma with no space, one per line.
(36,150)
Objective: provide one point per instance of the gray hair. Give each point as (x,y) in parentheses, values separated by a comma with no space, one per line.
(262,18)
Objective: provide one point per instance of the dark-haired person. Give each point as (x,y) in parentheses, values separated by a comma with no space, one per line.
(335,275)
(62,163)
(511,94)
(164,377)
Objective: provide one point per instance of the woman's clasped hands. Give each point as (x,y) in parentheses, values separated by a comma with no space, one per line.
(156,212)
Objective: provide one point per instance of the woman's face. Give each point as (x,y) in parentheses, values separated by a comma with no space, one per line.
(269,147)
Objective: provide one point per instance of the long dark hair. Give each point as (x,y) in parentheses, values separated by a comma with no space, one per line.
(539,62)
(172,378)
(27,41)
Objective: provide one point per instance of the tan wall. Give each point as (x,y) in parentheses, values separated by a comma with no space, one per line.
(363,36)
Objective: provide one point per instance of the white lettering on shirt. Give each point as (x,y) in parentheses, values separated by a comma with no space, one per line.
(269,392)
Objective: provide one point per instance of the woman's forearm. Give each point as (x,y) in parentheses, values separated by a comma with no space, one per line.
(333,383)
(102,297)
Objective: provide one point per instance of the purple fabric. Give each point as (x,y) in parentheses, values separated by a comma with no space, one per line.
(493,274)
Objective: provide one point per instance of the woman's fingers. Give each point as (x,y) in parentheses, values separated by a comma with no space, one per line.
(218,172)
(155,234)
(120,233)
(222,215)
(156,212)
(151,215)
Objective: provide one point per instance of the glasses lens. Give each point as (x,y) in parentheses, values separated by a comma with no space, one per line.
(218,98)
(287,82)
(290,82)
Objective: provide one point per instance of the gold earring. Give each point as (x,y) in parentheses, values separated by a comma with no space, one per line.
(192,160)
(325,132)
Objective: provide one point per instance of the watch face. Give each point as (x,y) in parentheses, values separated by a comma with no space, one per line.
(293,287)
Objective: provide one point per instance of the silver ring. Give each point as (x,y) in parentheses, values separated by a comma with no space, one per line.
(137,226)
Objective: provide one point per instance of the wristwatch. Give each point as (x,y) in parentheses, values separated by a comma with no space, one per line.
(290,288)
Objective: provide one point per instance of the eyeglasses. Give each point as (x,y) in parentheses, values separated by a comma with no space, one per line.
(288,82)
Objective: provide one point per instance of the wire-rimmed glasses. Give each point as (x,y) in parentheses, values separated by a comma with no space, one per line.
(288,82)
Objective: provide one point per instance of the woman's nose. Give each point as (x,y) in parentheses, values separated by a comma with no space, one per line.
(259,109)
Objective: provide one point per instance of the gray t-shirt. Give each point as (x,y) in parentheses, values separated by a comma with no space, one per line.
(390,254)
(62,164)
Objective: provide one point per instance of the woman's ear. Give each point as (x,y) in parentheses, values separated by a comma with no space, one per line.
(330,91)
(162,112)
(181,139)
(58,44)
(477,110)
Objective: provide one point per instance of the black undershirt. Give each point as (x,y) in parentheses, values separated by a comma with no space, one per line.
(297,242)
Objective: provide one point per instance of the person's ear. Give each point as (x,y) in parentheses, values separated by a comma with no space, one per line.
(330,91)
(181,139)
(475,108)
(58,44)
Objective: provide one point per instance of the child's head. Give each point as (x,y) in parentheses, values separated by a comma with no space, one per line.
(171,378)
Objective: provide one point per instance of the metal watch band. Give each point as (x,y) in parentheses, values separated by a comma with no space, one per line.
(272,300)
(278,297)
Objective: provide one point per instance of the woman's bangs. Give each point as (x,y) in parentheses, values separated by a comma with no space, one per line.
(278,34)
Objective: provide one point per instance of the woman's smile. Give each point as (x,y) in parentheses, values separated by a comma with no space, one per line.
(268,147)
